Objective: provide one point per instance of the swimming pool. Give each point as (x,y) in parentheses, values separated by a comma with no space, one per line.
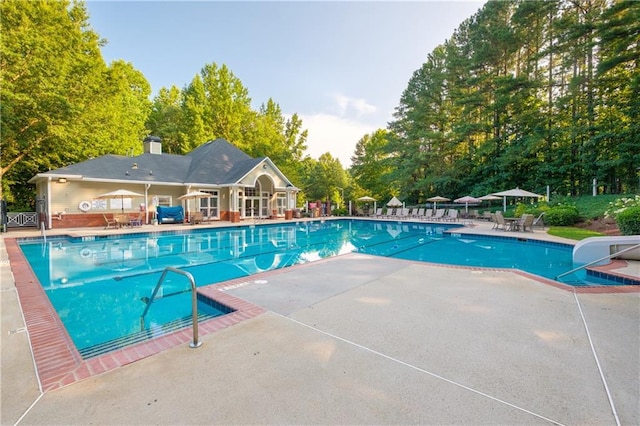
(100,286)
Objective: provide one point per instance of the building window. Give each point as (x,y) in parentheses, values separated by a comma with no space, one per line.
(162,200)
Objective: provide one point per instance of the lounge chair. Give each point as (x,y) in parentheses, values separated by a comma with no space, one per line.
(452,216)
(378,212)
(109,223)
(487,215)
(439,214)
(417,213)
(428,214)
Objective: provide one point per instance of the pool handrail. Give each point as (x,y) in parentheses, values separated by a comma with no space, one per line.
(194,302)
(586,265)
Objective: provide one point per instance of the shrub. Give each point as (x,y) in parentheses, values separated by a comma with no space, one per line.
(561,216)
(621,204)
(629,221)
(534,209)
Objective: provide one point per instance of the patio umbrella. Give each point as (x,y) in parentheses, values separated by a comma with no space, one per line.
(195,195)
(516,192)
(489,197)
(366,198)
(437,199)
(466,200)
(121,194)
(394,202)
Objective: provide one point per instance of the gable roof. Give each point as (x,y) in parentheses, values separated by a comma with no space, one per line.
(216,162)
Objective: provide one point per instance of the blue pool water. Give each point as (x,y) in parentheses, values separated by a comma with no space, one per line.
(100,285)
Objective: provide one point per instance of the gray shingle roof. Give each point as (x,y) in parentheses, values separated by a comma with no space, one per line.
(215,162)
(219,162)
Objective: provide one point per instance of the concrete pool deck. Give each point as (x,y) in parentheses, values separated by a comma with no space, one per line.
(363,340)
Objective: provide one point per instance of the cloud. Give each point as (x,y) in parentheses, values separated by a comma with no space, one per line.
(334,134)
(352,106)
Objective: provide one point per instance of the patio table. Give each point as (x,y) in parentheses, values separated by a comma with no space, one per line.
(513,223)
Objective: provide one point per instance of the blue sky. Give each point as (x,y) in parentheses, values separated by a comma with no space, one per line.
(341,66)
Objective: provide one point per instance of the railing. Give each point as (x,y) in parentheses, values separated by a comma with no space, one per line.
(586,265)
(15,220)
(194,302)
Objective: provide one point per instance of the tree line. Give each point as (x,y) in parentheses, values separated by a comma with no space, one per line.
(524,93)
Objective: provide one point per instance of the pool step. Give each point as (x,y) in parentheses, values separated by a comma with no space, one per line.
(141,336)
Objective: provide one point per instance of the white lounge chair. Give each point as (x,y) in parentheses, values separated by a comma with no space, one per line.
(452,216)
(439,214)
(428,214)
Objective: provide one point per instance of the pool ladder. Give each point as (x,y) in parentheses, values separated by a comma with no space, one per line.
(194,302)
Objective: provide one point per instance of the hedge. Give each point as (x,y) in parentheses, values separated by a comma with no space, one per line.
(628,221)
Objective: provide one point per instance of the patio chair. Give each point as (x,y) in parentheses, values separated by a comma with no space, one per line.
(526,223)
(137,221)
(538,221)
(500,222)
(122,220)
(378,212)
(487,215)
(196,217)
(109,223)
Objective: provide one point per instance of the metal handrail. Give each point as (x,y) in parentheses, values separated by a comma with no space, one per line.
(43,232)
(194,302)
(586,265)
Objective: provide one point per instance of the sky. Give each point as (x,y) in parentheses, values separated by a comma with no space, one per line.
(341,66)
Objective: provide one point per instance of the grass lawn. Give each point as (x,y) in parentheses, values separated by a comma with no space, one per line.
(572,233)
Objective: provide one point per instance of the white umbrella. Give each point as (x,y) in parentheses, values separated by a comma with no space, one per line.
(366,198)
(394,202)
(516,192)
(195,195)
(435,200)
(466,200)
(122,194)
(489,197)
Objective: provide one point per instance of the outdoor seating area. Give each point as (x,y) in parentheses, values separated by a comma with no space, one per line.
(437,211)
(471,218)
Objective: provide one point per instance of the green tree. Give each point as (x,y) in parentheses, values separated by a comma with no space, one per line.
(52,76)
(166,119)
(368,169)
